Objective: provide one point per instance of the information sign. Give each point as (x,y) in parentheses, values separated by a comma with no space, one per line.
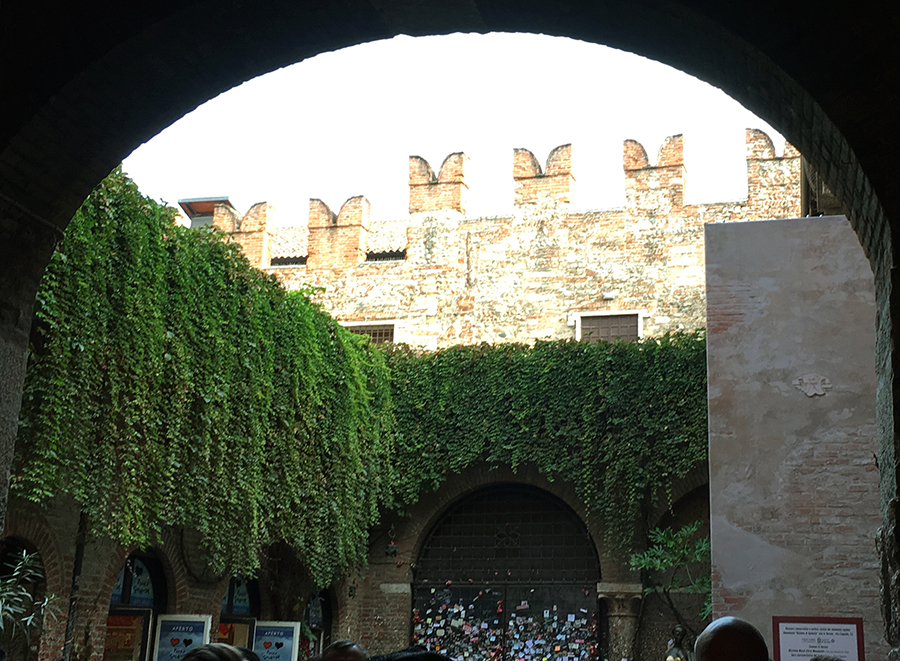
(176,635)
(802,638)
(277,641)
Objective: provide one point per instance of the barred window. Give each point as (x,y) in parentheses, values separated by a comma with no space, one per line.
(379,334)
(386,256)
(609,327)
(288,261)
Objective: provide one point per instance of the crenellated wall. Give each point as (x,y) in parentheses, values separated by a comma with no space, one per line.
(251,231)
(447,191)
(337,241)
(530,273)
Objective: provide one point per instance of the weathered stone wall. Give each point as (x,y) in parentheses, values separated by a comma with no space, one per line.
(526,275)
(793,437)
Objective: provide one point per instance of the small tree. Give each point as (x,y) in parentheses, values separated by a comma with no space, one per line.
(21,610)
(670,565)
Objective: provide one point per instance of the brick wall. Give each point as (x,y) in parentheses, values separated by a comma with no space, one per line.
(447,191)
(52,532)
(508,278)
(336,241)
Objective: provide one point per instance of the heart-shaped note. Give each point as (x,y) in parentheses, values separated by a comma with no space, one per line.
(174,641)
(267,644)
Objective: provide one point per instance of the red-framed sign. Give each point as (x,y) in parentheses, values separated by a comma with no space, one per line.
(801,638)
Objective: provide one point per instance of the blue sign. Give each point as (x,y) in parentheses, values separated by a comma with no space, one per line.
(277,641)
(177,635)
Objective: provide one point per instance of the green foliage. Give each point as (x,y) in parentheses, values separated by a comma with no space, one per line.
(621,420)
(677,561)
(21,612)
(170,383)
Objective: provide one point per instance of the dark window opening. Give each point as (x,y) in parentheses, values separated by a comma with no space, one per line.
(387,256)
(609,327)
(319,617)
(288,261)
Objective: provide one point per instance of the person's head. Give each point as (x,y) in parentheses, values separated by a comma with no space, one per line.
(249,655)
(214,652)
(731,639)
(344,650)
(414,653)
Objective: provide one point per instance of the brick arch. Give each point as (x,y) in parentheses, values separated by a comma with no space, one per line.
(697,477)
(432,507)
(30,528)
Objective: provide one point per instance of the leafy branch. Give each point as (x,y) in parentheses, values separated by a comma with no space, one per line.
(20,610)
(677,561)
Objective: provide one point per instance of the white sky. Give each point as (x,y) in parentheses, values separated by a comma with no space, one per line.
(344,124)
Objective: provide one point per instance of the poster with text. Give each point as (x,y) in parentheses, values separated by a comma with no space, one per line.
(277,641)
(802,638)
(176,635)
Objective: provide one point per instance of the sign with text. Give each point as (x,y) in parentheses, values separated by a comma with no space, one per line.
(176,635)
(277,641)
(802,638)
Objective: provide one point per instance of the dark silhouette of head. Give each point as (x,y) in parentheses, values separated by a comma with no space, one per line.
(249,655)
(731,639)
(344,650)
(214,652)
(414,653)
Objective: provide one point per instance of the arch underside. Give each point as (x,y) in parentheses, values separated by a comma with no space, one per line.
(85,84)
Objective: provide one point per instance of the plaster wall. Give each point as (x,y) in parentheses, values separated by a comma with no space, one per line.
(793,439)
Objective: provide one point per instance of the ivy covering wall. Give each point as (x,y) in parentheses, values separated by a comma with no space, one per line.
(622,421)
(171,384)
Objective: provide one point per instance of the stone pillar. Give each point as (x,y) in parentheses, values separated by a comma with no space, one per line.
(26,245)
(887,357)
(623,602)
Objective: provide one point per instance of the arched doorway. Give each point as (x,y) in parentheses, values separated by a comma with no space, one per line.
(138,596)
(509,572)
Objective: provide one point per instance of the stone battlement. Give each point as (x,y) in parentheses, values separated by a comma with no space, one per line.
(344,239)
(440,277)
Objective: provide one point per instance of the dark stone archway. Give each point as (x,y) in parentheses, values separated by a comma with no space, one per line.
(83,84)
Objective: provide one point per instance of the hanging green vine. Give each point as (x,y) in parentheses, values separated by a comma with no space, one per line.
(621,420)
(170,383)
